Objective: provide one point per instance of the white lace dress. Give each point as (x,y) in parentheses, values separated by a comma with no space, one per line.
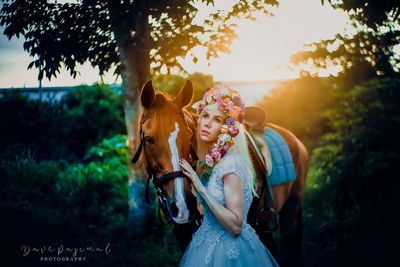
(212,244)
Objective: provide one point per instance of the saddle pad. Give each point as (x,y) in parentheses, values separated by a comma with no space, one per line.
(283,170)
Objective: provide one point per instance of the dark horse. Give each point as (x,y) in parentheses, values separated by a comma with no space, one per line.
(168,132)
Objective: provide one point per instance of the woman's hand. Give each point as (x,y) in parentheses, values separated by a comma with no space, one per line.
(191,174)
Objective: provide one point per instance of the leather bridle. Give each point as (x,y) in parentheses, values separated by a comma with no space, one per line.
(163,198)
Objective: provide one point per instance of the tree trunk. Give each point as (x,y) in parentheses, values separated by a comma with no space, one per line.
(135,74)
(135,71)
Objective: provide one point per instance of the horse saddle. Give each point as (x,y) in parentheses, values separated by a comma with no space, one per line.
(283,170)
(271,147)
(273,155)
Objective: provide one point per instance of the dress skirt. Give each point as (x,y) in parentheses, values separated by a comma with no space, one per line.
(220,248)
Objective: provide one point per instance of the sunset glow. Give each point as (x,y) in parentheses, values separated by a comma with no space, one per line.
(261,51)
(263,48)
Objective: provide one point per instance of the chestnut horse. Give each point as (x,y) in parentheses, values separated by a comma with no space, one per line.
(167,133)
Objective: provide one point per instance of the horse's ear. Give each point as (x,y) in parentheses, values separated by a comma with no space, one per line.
(147,94)
(184,97)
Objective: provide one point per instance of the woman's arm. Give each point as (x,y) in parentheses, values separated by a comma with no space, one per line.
(199,206)
(230,217)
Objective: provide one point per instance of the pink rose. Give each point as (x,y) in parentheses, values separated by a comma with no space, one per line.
(220,142)
(237,101)
(229,104)
(216,155)
(218,96)
(221,104)
(225,104)
(209,160)
(233,130)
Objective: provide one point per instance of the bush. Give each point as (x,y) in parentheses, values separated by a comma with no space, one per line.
(50,202)
(60,130)
(27,124)
(351,191)
(91,114)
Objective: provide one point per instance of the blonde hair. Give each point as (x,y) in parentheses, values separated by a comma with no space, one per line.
(241,147)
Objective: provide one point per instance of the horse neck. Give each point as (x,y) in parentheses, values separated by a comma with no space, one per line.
(191,121)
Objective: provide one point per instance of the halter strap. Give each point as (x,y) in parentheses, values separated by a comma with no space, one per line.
(139,150)
(162,197)
(168,176)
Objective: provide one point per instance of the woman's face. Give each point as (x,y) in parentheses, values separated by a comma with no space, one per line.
(210,122)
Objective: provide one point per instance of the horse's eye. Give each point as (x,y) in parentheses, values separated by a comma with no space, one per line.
(158,168)
(149,139)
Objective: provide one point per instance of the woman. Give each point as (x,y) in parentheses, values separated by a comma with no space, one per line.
(224,187)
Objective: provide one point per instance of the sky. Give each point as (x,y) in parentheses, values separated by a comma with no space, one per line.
(261,51)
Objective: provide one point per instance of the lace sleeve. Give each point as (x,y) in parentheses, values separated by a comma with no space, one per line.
(235,164)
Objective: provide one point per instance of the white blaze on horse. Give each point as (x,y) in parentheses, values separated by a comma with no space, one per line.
(179,194)
(168,132)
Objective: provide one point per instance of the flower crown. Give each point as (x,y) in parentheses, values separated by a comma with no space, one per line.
(229,102)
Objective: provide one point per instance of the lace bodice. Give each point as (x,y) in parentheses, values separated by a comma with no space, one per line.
(211,231)
(231,163)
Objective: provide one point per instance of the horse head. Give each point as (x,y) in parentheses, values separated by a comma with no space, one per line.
(167,133)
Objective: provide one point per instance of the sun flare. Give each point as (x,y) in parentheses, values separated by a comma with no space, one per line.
(263,48)
(261,51)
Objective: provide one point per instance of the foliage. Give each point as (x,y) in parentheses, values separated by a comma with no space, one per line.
(91,113)
(24,123)
(130,36)
(350,194)
(351,191)
(372,13)
(50,188)
(300,105)
(99,31)
(109,149)
(365,54)
(172,84)
(51,203)
(370,50)
(60,130)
